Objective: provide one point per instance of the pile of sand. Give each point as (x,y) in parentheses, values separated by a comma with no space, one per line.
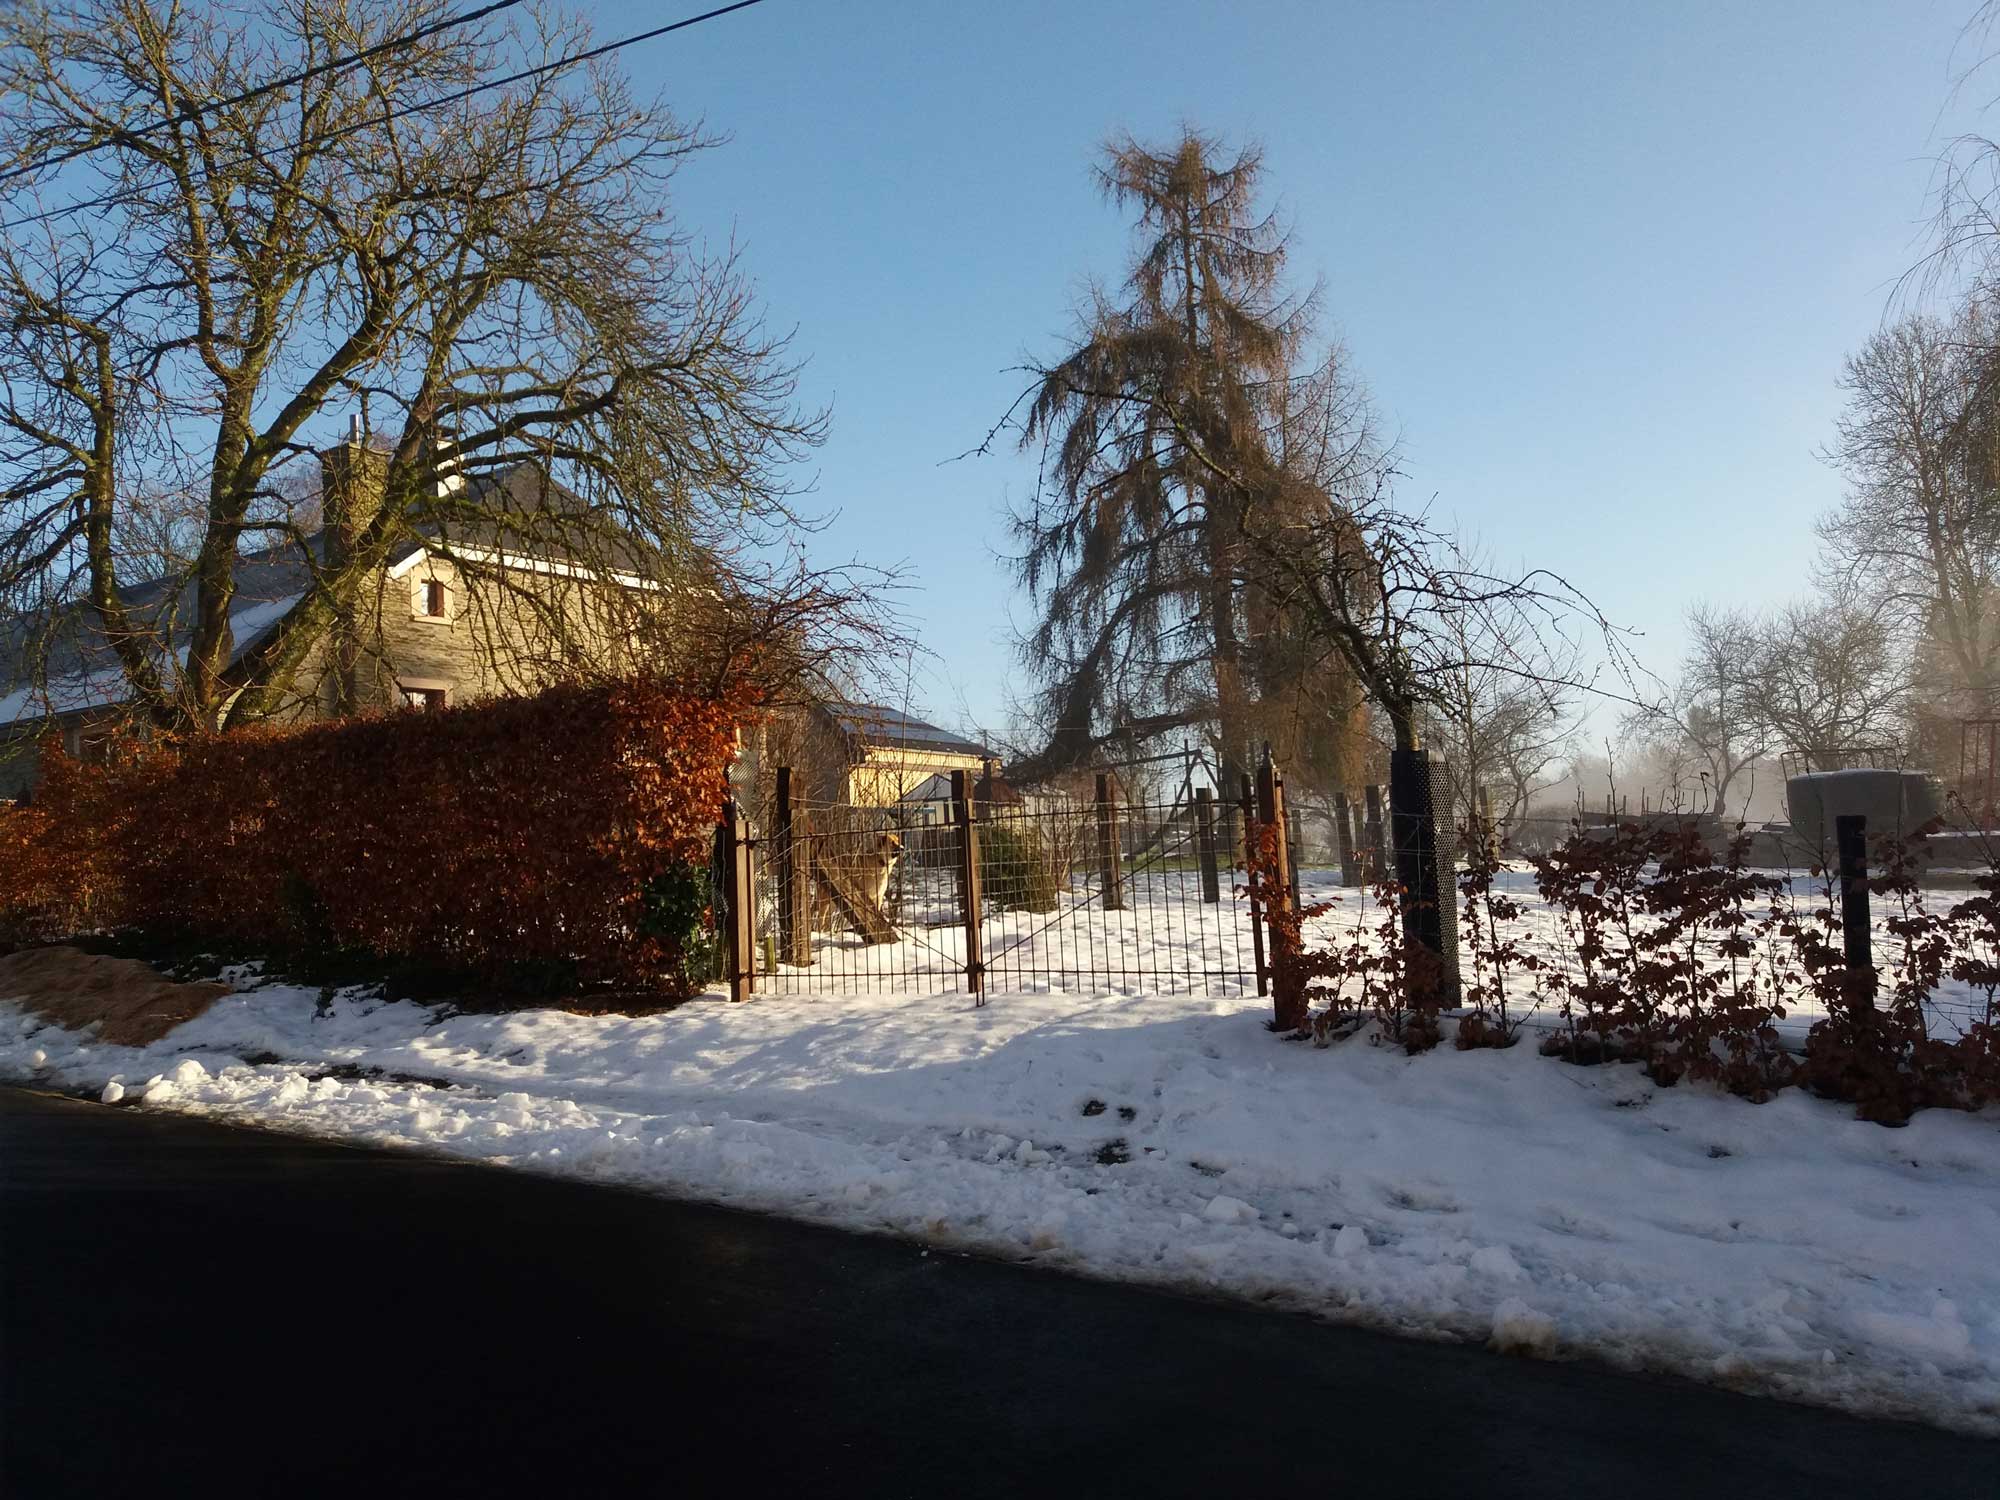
(73,989)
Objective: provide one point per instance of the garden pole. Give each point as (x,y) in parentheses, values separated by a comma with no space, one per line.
(794,919)
(968,865)
(1204,836)
(1249,806)
(1850,831)
(1110,868)
(738,901)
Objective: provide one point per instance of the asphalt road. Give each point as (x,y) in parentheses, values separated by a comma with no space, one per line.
(198,1310)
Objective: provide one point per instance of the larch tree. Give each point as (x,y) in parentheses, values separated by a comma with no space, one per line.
(227,230)
(1190,400)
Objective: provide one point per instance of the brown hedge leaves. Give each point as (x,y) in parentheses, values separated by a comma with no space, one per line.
(511,839)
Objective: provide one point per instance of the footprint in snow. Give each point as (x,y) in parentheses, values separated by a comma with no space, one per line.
(1420,1200)
(1559,1221)
(1720,1234)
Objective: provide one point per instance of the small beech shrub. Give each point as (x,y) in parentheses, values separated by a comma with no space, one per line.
(1328,991)
(1494,945)
(1668,950)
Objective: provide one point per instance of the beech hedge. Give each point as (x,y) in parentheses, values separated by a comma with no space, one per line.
(512,839)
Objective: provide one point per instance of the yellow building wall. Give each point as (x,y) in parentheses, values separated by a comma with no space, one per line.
(888,775)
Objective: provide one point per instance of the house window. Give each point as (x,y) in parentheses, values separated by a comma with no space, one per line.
(430,599)
(425,698)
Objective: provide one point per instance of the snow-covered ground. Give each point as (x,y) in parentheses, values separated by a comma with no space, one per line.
(1502,1196)
(1167,941)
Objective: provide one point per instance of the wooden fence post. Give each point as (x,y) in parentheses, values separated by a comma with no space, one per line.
(1850,833)
(1279,892)
(1204,839)
(1343,840)
(794,910)
(1372,831)
(1110,865)
(1248,804)
(962,809)
(740,900)
(1295,843)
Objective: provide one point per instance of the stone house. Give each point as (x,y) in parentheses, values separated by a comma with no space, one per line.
(423,639)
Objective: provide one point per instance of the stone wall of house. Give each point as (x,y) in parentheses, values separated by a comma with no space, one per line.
(490,639)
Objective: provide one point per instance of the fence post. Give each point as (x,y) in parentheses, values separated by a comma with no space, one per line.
(1204,842)
(1110,865)
(740,901)
(1378,855)
(1288,999)
(1417,788)
(1850,831)
(1295,843)
(1248,806)
(968,866)
(1343,841)
(794,912)
(1489,831)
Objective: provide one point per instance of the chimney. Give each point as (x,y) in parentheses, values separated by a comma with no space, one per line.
(352,478)
(449,477)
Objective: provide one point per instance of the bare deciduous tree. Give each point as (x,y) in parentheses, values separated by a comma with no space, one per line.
(219,239)
(1704,727)
(1501,730)
(1918,535)
(1401,605)
(1828,683)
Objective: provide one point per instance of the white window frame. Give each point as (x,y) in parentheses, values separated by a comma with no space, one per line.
(420,583)
(407,685)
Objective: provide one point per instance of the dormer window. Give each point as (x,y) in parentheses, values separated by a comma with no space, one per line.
(434,598)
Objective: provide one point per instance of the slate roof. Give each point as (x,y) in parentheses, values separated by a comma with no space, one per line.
(82,671)
(873,724)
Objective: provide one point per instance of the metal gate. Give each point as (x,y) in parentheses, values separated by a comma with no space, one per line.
(1051,896)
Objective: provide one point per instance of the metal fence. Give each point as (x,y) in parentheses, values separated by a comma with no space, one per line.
(922,896)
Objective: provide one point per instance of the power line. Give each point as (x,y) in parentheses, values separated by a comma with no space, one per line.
(196,111)
(568,61)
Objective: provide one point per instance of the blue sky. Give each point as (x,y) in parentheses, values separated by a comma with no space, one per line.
(1598,263)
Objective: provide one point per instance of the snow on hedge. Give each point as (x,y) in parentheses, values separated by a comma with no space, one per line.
(1495,1196)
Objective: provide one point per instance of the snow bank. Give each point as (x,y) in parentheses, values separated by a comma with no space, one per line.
(1498,1197)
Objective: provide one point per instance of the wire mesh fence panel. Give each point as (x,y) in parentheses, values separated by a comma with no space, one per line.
(859,900)
(1116,897)
(1073,897)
